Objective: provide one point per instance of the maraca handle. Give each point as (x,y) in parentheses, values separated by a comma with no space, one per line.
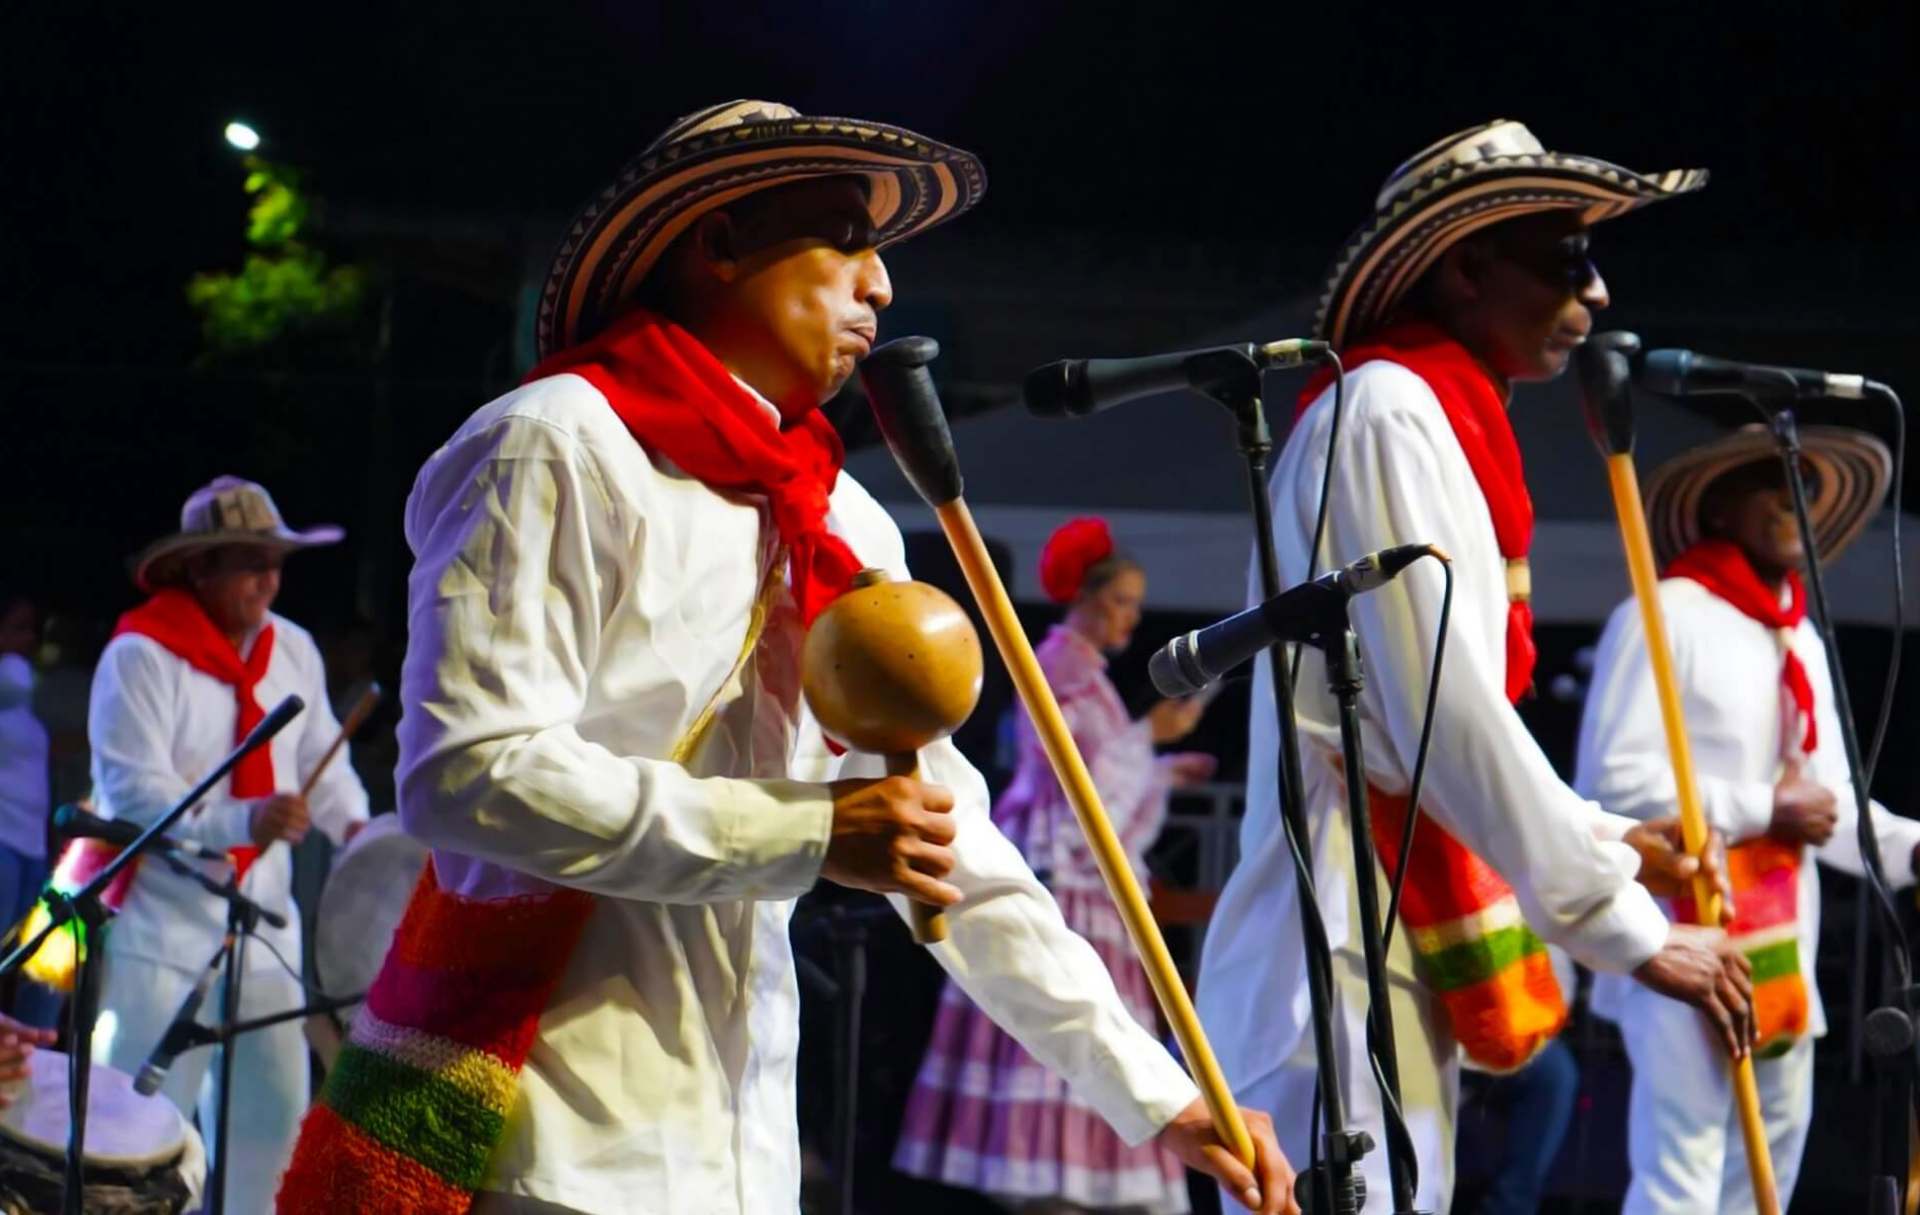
(929,922)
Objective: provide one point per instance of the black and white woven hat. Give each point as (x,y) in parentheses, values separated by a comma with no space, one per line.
(716,155)
(1850,467)
(1465,182)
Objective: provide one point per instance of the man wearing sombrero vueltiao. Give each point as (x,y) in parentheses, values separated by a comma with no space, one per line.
(1472,275)
(591,1004)
(1773,778)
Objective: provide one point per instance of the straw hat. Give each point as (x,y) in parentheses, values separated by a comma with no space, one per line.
(226,510)
(712,157)
(1478,177)
(1852,469)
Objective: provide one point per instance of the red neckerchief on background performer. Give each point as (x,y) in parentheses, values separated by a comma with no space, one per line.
(1478,415)
(1721,567)
(1471,945)
(174,618)
(681,402)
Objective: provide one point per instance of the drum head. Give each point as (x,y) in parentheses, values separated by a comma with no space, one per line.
(360,906)
(124,1129)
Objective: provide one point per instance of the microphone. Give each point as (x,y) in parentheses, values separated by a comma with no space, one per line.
(1074,388)
(1682,373)
(71,822)
(1191,661)
(1605,365)
(180,1035)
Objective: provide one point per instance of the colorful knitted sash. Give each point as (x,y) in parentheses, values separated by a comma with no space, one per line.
(1470,944)
(415,1105)
(1765,874)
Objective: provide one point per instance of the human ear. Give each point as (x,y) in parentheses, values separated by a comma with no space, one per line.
(717,243)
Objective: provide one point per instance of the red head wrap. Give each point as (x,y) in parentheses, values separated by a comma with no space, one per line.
(1078,546)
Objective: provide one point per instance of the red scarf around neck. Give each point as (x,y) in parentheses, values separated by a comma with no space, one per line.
(680,402)
(1478,415)
(1722,567)
(175,619)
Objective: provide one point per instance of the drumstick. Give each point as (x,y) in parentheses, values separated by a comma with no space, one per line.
(1604,372)
(355,717)
(908,410)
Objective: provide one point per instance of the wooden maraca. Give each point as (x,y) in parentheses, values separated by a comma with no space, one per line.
(888,668)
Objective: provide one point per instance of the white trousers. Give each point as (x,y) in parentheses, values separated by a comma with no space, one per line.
(138,1000)
(1683,1125)
(1429,1077)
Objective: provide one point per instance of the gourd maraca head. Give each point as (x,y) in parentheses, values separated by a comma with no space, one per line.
(890,667)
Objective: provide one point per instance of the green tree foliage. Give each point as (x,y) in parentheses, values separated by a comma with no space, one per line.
(284,288)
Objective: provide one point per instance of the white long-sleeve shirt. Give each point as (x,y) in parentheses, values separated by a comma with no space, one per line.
(1728,665)
(572,608)
(1400,477)
(156,726)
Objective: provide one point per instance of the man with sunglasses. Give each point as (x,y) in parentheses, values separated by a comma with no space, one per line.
(187,674)
(605,743)
(1473,275)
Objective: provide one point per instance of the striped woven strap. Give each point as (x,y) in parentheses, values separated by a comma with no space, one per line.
(1471,946)
(1765,875)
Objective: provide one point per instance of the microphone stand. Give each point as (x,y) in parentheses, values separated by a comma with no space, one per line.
(84,905)
(1889,1030)
(1335,1181)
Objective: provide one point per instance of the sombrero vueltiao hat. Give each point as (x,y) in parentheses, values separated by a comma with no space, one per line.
(226,510)
(716,155)
(1853,470)
(1465,182)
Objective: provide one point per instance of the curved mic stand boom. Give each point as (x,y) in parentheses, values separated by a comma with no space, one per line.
(908,411)
(1605,364)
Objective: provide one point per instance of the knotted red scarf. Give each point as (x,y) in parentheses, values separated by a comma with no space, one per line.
(175,619)
(680,402)
(1478,415)
(1721,567)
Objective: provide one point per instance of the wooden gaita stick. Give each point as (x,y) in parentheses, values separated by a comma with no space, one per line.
(908,410)
(356,716)
(1605,383)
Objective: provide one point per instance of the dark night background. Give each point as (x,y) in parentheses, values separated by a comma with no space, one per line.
(1157,171)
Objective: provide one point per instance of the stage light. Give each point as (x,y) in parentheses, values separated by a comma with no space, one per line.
(242,136)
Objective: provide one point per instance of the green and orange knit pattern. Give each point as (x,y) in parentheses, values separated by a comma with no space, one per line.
(418,1100)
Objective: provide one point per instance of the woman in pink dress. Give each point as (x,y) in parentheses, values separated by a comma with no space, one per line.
(984,1114)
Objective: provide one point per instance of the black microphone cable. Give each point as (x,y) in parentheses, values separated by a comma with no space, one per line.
(1320,510)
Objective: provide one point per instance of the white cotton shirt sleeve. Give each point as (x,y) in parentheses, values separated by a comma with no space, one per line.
(1401,478)
(521,553)
(338,799)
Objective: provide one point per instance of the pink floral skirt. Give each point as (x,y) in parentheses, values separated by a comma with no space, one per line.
(987,1116)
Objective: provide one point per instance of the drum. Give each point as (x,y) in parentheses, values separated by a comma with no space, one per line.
(361,904)
(142,1157)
